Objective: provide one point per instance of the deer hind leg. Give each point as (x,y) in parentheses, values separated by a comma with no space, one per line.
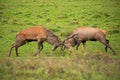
(107,45)
(16,45)
(13,45)
(16,49)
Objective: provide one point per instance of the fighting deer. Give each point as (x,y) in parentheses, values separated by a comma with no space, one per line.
(37,33)
(83,34)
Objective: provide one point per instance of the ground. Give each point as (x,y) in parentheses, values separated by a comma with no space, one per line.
(62,17)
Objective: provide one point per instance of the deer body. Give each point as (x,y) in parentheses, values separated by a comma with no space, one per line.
(37,33)
(83,34)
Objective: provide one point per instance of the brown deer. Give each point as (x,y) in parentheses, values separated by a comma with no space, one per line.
(83,34)
(37,33)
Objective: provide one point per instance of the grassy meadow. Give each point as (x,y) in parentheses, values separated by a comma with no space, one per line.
(61,17)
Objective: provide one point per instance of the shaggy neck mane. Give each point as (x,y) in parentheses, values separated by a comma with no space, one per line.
(52,39)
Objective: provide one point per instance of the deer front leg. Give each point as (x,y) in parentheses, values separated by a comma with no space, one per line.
(78,44)
(40,47)
(83,42)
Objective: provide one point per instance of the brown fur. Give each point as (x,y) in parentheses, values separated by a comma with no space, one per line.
(37,33)
(83,34)
(34,33)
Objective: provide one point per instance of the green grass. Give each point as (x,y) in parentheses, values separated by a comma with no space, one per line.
(62,17)
(78,66)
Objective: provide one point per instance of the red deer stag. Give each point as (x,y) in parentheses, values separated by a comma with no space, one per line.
(83,34)
(37,33)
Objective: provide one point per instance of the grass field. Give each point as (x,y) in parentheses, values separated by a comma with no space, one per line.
(62,17)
